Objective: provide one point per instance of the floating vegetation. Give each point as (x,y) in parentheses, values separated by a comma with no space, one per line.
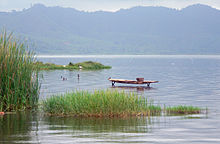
(19,87)
(102,103)
(87,65)
(182,110)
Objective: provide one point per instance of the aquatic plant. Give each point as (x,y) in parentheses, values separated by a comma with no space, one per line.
(90,65)
(48,66)
(87,65)
(107,103)
(181,109)
(101,103)
(19,87)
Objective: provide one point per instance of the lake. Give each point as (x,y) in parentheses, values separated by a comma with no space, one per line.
(186,80)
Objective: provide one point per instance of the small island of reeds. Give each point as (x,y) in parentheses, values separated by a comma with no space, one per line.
(106,103)
(87,65)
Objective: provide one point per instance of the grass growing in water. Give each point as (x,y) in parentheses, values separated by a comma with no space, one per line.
(106,103)
(87,65)
(99,104)
(18,76)
(183,110)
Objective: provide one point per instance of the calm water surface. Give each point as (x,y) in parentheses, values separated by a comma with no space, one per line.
(187,80)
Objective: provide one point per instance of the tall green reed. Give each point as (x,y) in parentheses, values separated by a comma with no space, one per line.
(19,86)
(108,103)
(101,103)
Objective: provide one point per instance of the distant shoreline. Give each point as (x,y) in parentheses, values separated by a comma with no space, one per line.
(129,56)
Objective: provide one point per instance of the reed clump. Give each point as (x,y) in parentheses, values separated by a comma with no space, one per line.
(19,87)
(183,110)
(101,103)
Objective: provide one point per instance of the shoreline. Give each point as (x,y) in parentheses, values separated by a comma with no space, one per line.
(130,56)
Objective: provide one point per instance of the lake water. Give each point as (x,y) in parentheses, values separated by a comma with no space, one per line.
(185,80)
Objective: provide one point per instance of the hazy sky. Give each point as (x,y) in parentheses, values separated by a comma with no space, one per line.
(106,5)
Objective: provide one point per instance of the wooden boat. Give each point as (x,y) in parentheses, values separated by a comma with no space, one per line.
(137,81)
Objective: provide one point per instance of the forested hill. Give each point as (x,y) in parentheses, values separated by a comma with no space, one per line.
(138,30)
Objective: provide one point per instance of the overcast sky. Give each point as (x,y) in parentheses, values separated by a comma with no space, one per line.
(105,5)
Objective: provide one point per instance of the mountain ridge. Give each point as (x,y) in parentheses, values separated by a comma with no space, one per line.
(138,30)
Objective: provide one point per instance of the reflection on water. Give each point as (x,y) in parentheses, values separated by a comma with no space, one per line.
(16,127)
(137,88)
(205,116)
(100,125)
(185,80)
(29,127)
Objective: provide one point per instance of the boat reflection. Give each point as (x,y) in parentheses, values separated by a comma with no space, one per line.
(138,88)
